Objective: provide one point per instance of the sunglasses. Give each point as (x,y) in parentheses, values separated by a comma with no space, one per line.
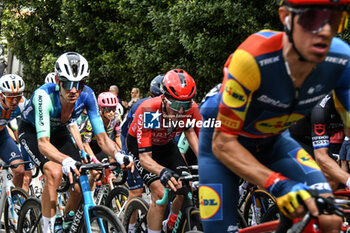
(108,109)
(11,98)
(176,105)
(68,85)
(313,19)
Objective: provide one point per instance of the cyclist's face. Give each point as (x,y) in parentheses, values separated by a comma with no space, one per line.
(70,96)
(108,113)
(313,46)
(11,100)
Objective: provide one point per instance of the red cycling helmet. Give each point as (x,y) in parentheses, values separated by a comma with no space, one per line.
(107,99)
(313,2)
(179,85)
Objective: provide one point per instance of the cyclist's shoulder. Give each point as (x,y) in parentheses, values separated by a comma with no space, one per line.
(262,42)
(151,104)
(137,104)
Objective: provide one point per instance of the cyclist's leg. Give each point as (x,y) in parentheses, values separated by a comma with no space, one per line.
(135,184)
(62,140)
(218,192)
(29,145)
(290,159)
(10,154)
(156,212)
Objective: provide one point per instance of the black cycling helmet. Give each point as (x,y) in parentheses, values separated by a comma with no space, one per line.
(155,85)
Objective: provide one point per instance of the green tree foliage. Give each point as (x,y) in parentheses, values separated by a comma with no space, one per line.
(128,42)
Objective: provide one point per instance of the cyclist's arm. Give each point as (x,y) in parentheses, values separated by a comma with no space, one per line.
(148,163)
(329,167)
(238,159)
(192,139)
(50,151)
(88,149)
(74,131)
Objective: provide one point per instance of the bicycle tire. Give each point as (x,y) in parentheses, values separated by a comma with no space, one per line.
(266,199)
(196,222)
(29,220)
(272,213)
(119,194)
(18,196)
(140,205)
(110,221)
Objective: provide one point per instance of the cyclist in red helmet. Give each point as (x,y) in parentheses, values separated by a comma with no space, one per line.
(272,80)
(156,123)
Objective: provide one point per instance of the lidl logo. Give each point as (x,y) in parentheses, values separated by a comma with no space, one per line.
(278,124)
(151,120)
(210,197)
(234,95)
(305,159)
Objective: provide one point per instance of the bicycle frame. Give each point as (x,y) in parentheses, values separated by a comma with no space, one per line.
(88,202)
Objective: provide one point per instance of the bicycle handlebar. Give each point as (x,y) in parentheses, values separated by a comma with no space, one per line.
(7,166)
(185,176)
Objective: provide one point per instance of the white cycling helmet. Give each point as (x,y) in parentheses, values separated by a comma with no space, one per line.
(50,78)
(11,83)
(72,66)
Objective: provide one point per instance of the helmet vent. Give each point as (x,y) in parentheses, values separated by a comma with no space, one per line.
(67,70)
(192,92)
(75,70)
(82,69)
(182,79)
(173,90)
(6,85)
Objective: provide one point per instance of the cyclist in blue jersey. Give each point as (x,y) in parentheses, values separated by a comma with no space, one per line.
(44,135)
(12,103)
(272,80)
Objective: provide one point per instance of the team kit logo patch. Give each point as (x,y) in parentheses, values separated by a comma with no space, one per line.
(210,205)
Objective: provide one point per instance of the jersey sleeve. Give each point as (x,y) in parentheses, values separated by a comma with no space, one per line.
(43,106)
(241,79)
(319,120)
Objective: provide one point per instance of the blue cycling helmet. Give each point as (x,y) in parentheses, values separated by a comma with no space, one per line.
(155,85)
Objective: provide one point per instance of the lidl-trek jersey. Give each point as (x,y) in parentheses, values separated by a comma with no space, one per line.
(258,98)
(44,110)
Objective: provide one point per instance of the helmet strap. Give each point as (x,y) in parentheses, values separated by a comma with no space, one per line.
(289,32)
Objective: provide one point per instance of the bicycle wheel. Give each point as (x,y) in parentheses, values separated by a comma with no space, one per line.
(141,206)
(116,200)
(18,196)
(30,220)
(195,223)
(251,212)
(272,213)
(110,222)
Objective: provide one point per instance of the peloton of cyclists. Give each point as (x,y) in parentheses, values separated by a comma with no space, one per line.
(44,135)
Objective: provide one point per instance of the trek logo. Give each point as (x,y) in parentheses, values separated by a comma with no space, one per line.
(210,202)
(151,120)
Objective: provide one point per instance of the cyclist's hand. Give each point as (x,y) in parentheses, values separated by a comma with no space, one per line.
(68,166)
(126,162)
(168,178)
(290,196)
(86,158)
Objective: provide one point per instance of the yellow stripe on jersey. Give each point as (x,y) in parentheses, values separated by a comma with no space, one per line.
(245,69)
(344,114)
